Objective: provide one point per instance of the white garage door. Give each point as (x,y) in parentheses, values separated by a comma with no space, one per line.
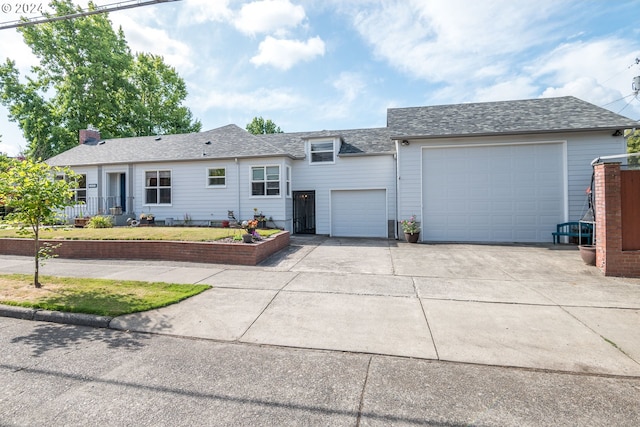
(359,213)
(512,193)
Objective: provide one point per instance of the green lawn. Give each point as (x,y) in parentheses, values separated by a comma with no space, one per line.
(193,234)
(92,296)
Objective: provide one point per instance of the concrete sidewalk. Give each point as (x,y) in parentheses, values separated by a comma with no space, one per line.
(522,306)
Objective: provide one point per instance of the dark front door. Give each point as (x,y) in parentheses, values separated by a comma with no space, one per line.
(304,212)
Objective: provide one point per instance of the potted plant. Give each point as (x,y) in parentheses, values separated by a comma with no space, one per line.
(81,220)
(250,229)
(262,220)
(411,229)
(147,219)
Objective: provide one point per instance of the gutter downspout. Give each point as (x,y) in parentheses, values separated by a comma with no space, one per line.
(238,185)
(397,158)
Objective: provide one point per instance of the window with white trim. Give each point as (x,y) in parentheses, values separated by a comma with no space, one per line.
(265,180)
(80,192)
(216,177)
(321,151)
(157,187)
(287,180)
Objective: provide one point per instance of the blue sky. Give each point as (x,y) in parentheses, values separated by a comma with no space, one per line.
(339,64)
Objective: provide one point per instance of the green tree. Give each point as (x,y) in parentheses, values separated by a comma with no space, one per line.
(633,145)
(88,76)
(31,189)
(260,126)
(159,92)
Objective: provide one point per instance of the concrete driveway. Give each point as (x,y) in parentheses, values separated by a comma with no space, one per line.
(523,306)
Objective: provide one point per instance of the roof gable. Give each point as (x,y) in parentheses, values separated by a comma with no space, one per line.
(542,115)
(353,141)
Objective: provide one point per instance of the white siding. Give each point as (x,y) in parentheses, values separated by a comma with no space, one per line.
(191,195)
(347,173)
(581,149)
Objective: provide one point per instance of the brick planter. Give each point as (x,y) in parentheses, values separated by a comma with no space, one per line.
(207,252)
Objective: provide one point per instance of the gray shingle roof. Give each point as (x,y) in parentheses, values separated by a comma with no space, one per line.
(354,141)
(226,142)
(542,115)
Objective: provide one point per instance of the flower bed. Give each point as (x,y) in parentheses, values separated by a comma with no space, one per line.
(207,252)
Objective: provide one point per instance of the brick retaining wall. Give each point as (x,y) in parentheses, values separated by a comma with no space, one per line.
(207,252)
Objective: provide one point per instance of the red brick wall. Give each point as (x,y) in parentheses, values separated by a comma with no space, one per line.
(208,252)
(610,257)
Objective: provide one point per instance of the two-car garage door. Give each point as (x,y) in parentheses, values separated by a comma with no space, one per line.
(493,193)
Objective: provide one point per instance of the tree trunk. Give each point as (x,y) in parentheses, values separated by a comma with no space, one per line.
(36,275)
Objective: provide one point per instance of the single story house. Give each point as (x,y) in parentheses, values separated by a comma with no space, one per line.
(504,171)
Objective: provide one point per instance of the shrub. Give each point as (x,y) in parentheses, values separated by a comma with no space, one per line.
(100,221)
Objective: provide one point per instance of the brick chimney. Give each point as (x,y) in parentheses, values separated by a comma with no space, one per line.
(88,135)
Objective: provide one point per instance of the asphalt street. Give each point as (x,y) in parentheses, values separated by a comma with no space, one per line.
(53,374)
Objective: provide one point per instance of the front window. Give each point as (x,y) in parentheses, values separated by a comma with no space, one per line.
(157,187)
(288,181)
(216,177)
(80,192)
(321,151)
(265,181)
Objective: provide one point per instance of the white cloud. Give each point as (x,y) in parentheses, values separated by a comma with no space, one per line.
(14,48)
(439,41)
(516,88)
(284,54)
(351,88)
(258,100)
(351,85)
(268,16)
(199,11)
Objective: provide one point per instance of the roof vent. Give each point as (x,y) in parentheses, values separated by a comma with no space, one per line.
(101,142)
(158,138)
(208,142)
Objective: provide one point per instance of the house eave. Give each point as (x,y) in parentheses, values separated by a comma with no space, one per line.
(194,159)
(511,133)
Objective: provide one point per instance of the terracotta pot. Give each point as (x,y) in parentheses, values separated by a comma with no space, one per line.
(412,237)
(588,254)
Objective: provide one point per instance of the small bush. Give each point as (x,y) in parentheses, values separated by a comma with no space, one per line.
(100,222)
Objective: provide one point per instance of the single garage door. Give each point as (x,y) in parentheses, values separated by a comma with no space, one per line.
(498,193)
(359,213)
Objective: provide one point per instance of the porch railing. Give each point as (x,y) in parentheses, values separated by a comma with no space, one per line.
(100,206)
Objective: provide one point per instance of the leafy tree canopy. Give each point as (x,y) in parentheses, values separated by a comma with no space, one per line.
(88,76)
(633,145)
(260,126)
(34,196)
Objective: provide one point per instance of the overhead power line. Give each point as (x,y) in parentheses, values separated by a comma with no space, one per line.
(112,7)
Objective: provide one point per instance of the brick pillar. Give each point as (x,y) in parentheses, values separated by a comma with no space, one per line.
(88,134)
(608,220)
(610,258)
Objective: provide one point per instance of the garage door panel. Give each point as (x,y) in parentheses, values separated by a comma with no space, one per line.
(359,213)
(511,193)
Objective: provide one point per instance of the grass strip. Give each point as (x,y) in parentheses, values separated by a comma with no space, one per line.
(193,234)
(92,296)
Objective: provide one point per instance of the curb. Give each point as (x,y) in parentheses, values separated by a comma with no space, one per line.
(79,319)
(17,312)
